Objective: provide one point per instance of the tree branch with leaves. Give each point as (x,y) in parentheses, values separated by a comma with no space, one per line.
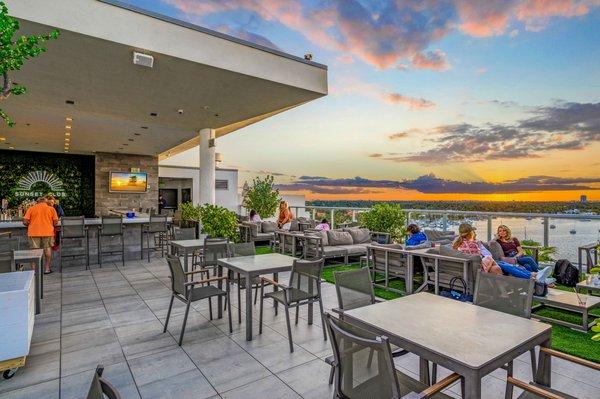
(262,196)
(14,51)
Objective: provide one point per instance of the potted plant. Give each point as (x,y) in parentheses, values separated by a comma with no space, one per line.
(218,222)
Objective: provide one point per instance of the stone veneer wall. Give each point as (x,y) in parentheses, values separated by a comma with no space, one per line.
(107,162)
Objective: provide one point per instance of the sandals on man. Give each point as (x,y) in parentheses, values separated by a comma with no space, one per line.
(47,271)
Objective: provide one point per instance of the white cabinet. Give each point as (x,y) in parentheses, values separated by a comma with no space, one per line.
(17,313)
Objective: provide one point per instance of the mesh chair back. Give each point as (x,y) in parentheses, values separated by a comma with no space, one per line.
(306,276)
(7,262)
(188,233)
(357,377)
(158,224)
(215,248)
(72,227)
(354,289)
(242,249)
(504,293)
(177,275)
(112,226)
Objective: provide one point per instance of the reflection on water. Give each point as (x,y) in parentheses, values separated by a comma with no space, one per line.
(560,237)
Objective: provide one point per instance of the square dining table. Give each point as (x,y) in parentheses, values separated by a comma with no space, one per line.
(467,339)
(253,266)
(187,247)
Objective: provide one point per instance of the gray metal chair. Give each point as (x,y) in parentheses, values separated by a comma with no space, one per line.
(304,288)
(184,233)
(213,249)
(355,378)
(158,228)
(100,387)
(538,391)
(354,289)
(73,228)
(506,294)
(188,292)
(111,226)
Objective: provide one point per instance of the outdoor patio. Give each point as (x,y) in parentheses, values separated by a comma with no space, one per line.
(114,316)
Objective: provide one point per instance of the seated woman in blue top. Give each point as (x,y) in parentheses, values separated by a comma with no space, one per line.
(416,236)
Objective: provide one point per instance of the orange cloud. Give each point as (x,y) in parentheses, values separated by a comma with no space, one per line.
(397,98)
(434,60)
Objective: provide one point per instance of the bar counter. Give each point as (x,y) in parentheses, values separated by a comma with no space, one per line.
(132,236)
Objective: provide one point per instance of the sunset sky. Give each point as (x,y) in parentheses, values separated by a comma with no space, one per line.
(454,99)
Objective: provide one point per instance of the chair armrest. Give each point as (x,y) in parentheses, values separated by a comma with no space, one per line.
(434,389)
(532,388)
(571,358)
(273,282)
(196,272)
(208,280)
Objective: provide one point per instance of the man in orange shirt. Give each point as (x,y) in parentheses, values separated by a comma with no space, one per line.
(40,220)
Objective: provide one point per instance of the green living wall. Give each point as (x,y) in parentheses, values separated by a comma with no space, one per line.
(69,177)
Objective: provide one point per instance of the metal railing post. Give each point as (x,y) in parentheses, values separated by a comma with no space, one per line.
(332,213)
(313,213)
(546,231)
(407,218)
(445,222)
(489,228)
(353,215)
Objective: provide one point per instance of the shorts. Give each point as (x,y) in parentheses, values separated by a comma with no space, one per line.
(40,242)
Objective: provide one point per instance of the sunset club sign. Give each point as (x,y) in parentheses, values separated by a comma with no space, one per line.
(38,183)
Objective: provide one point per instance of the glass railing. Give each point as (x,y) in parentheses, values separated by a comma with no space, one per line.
(566,232)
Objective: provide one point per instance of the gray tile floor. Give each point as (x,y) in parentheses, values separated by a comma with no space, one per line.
(115,316)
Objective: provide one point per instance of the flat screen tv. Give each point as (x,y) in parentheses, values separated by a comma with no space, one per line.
(127,182)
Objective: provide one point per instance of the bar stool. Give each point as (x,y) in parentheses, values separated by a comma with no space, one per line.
(73,228)
(157,225)
(112,226)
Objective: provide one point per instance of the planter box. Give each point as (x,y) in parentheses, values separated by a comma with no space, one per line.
(17,307)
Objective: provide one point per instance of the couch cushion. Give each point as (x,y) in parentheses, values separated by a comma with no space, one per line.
(337,237)
(356,249)
(496,249)
(436,235)
(294,226)
(447,250)
(390,246)
(360,236)
(330,250)
(320,233)
(268,227)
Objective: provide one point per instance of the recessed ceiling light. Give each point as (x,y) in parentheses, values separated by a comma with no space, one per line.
(68,127)
(137,134)
(70,102)
(2,138)
(217,115)
(69,119)
(120,148)
(206,107)
(66,151)
(11,148)
(144,127)
(125,144)
(67,133)
(67,139)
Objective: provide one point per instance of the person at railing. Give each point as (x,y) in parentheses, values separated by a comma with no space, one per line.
(416,236)
(467,243)
(254,216)
(285,216)
(324,225)
(512,249)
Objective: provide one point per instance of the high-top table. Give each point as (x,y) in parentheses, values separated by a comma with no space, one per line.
(467,339)
(34,256)
(187,247)
(253,266)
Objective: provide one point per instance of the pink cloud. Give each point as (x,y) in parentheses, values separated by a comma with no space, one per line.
(434,60)
(411,102)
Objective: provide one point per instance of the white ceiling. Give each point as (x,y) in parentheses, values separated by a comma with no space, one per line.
(114,98)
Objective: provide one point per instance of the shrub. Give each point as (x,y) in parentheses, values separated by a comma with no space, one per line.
(218,221)
(544,253)
(262,197)
(385,218)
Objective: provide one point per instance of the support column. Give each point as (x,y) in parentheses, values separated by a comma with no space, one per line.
(207,166)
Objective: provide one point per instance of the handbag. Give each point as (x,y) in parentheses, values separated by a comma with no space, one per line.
(456,295)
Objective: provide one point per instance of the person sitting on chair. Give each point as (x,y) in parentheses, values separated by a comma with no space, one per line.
(467,243)
(416,236)
(254,216)
(285,216)
(512,249)
(324,225)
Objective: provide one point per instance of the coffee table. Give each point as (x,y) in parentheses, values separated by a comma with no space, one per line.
(589,287)
(578,303)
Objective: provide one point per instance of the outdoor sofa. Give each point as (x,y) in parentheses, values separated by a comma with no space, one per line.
(340,243)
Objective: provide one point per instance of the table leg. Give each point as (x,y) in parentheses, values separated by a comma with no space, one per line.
(185,260)
(220,285)
(544,370)
(424,371)
(275,288)
(472,385)
(248,307)
(41,280)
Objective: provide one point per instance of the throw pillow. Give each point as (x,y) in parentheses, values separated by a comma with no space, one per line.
(336,237)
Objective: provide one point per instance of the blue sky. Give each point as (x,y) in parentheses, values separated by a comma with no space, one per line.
(469,91)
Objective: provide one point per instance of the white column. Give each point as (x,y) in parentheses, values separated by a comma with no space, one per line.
(207,166)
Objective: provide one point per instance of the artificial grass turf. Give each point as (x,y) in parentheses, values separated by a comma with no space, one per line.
(564,339)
